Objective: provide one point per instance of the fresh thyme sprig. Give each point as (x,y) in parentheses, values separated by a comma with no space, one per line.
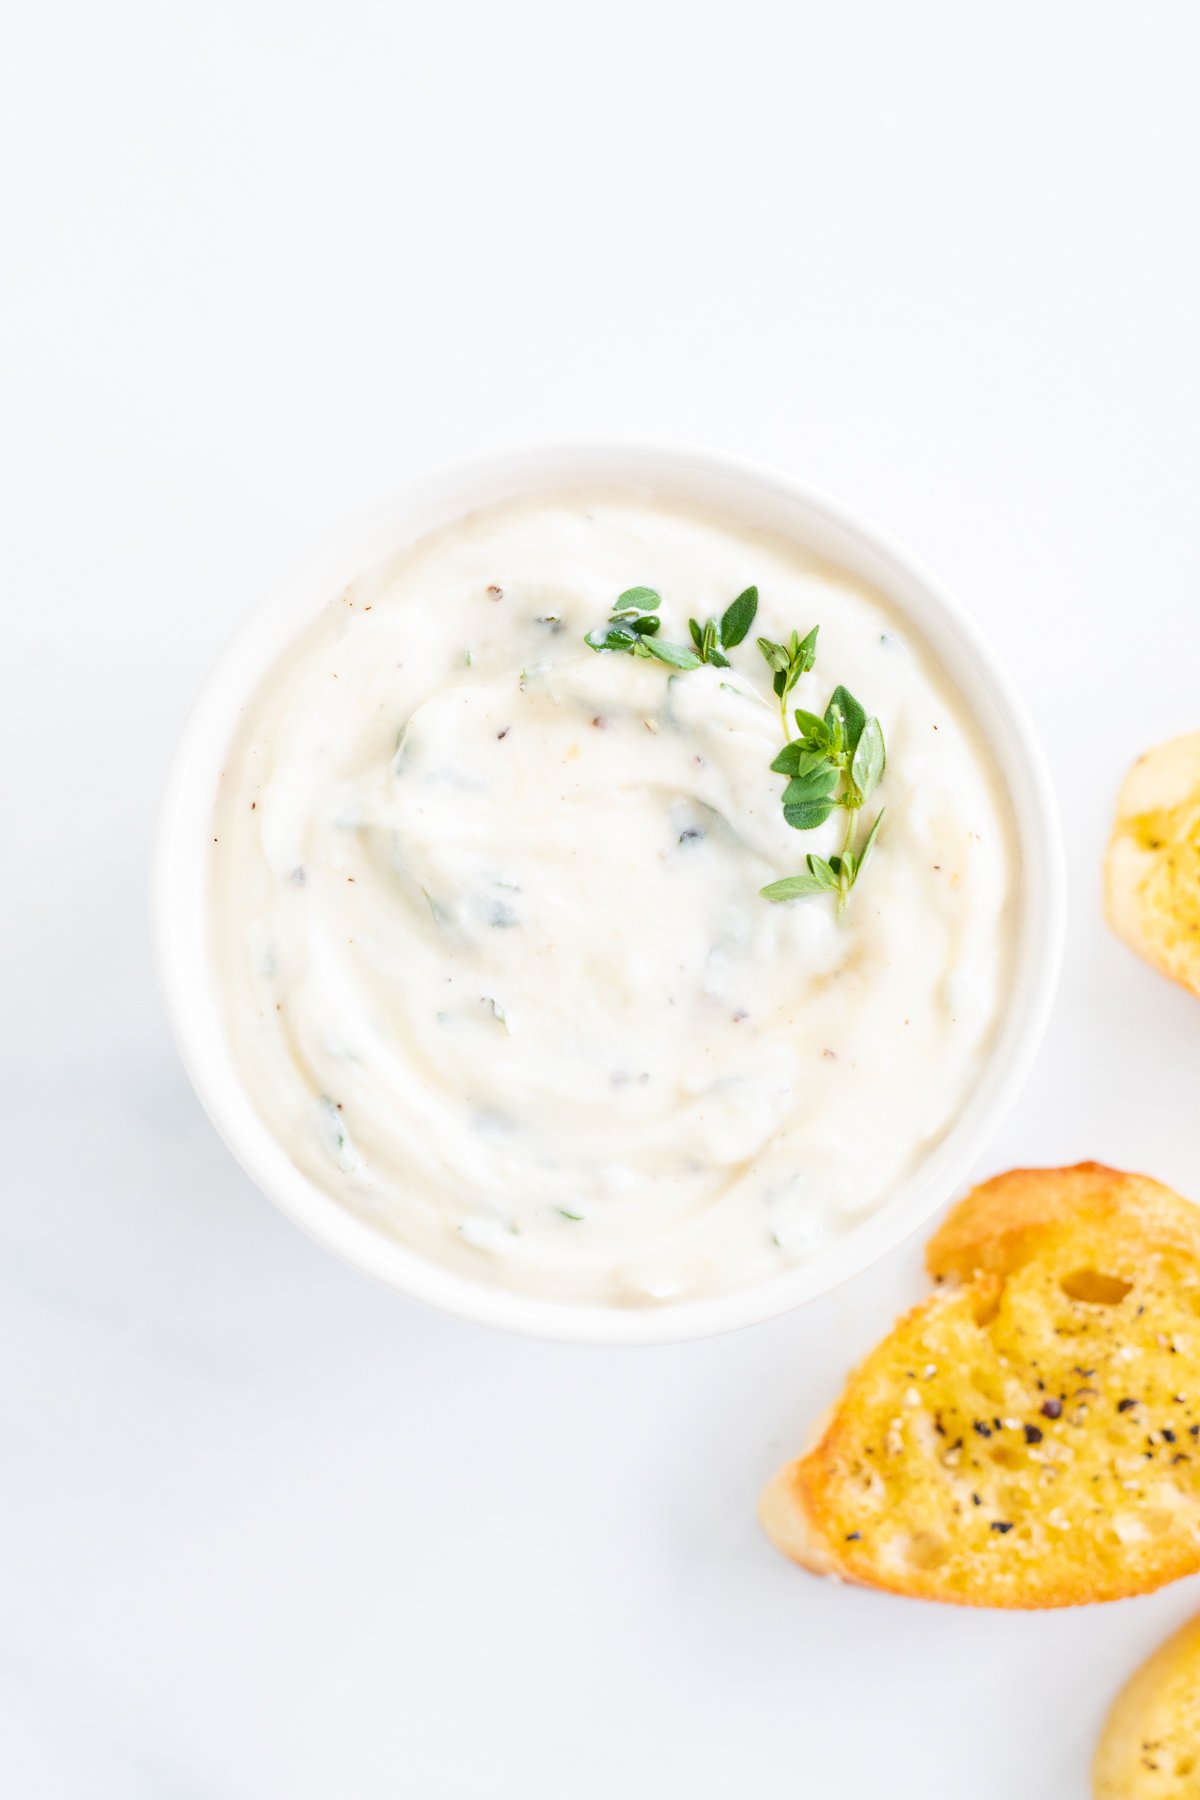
(634,623)
(633,627)
(837,760)
(789,662)
(836,875)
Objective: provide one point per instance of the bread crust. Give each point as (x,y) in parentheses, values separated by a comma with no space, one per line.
(1144,1729)
(997,1228)
(783,1515)
(994,1227)
(1156,912)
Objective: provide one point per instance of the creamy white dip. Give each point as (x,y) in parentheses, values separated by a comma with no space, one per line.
(495,966)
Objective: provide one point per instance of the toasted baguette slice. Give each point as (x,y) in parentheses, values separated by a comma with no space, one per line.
(1030,1435)
(1152,872)
(1150,1746)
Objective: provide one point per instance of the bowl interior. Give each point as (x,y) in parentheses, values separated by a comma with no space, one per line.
(760,498)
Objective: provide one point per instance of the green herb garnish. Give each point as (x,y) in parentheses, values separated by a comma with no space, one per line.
(633,628)
(837,760)
(835,876)
(789,662)
(634,623)
(716,636)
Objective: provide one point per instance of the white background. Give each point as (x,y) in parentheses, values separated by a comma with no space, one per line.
(268,1530)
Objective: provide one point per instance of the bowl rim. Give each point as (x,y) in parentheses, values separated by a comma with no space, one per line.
(179,912)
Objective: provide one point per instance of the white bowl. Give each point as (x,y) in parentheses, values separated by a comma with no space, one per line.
(761,497)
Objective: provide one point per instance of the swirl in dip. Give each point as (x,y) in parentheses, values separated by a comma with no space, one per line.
(487,919)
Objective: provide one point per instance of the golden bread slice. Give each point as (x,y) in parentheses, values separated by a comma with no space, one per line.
(1150,1746)
(1030,1434)
(1152,871)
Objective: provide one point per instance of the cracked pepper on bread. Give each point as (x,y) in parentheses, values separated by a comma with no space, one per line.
(1152,871)
(1150,1746)
(1029,1436)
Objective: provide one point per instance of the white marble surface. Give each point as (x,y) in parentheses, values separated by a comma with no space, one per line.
(268,1530)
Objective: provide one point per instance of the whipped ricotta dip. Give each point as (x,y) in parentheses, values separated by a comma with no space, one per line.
(487,926)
